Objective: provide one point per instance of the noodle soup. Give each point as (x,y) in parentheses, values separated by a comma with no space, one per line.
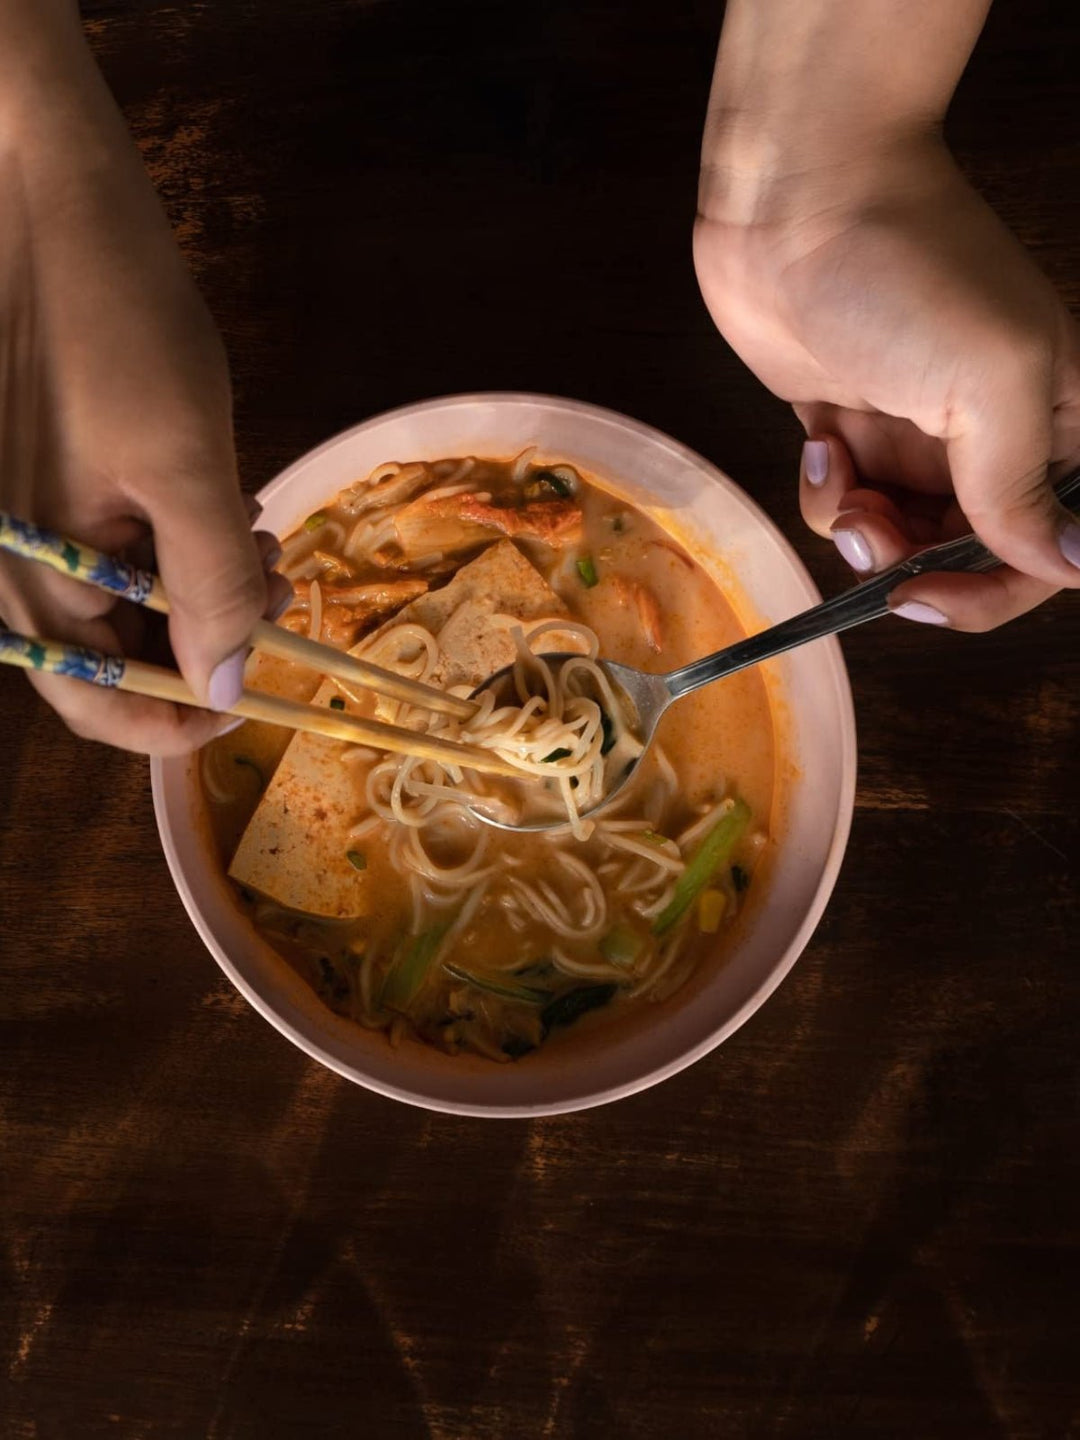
(375,877)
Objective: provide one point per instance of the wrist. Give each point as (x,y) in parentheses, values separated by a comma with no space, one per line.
(808,100)
(757,170)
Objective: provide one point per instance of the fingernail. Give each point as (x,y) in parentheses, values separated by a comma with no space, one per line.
(281,597)
(272,556)
(227,681)
(1069,540)
(854,549)
(815,459)
(230,726)
(925,614)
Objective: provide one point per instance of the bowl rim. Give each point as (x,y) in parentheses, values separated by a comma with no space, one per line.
(845,800)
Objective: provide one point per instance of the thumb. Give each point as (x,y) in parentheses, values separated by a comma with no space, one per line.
(210,566)
(999,456)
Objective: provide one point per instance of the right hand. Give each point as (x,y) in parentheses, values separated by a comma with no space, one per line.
(926,355)
(115,418)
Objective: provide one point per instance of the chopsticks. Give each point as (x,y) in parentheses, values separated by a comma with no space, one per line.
(56,657)
(83,562)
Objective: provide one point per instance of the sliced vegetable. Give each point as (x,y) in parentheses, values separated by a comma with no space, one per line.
(561,486)
(247,761)
(332,984)
(560,754)
(316,521)
(357,859)
(336,702)
(711,907)
(707,859)
(739,878)
(575,1003)
(528,994)
(516,1046)
(409,969)
(536,969)
(652,837)
(623,946)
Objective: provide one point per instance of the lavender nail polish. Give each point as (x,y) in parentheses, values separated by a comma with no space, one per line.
(917,610)
(854,549)
(1069,540)
(227,681)
(815,456)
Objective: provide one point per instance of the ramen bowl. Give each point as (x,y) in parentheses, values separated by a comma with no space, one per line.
(764,581)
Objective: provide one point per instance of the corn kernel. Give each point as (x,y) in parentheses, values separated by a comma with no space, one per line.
(711,907)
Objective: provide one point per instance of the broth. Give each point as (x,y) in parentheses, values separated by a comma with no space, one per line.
(543,929)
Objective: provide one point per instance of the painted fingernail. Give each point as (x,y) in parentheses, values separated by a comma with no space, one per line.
(1069,540)
(230,726)
(815,459)
(281,597)
(227,681)
(917,610)
(854,549)
(272,556)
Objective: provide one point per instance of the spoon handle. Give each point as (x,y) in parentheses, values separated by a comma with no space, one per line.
(863,602)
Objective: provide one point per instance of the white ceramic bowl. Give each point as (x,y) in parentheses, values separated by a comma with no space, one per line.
(812,703)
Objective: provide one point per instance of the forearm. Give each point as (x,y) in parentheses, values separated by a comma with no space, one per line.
(813,85)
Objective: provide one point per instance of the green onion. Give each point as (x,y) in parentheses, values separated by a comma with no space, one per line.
(528,993)
(707,859)
(357,859)
(409,969)
(313,522)
(246,760)
(586,568)
(337,703)
(575,1003)
(560,754)
(739,878)
(652,838)
(623,946)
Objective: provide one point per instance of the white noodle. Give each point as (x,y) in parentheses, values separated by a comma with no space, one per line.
(519,466)
(315,619)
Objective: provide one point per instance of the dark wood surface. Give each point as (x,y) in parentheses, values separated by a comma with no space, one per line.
(860,1216)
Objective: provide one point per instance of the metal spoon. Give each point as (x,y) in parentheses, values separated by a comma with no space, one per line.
(648,697)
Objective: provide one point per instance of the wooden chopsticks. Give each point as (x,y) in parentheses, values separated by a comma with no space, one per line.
(82,562)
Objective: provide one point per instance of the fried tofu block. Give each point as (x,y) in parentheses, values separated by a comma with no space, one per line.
(294,849)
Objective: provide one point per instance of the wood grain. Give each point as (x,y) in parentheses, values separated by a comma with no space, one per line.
(857,1218)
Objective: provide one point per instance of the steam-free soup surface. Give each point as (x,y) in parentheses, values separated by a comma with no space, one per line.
(435,925)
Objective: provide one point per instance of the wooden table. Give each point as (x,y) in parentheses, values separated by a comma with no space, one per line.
(859,1217)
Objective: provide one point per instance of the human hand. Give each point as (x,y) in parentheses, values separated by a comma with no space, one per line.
(932,363)
(115,417)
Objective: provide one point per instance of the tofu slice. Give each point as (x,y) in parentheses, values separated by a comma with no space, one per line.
(294,848)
